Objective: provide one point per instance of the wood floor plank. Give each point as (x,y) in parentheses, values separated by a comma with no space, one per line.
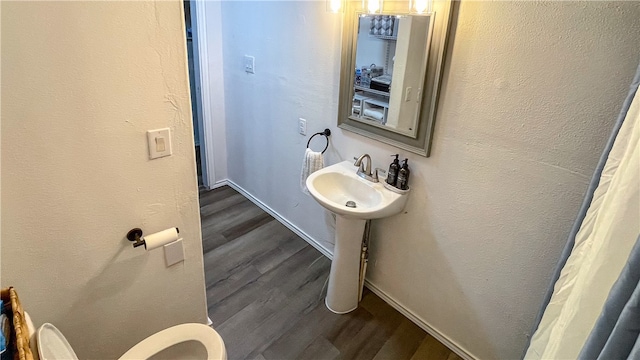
(212,240)
(403,343)
(227,307)
(366,343)
(452,356)
(277,255)
(319,349)
(229,285)
(251,317)
(237,254)
(211,196)
(340,336)
(234,232)
(225,219)
(431,349)
(265,294)
(286,316)
(291,344)
(381,310)
(220,205)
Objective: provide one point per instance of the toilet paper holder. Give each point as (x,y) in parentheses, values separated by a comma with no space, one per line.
(135,235)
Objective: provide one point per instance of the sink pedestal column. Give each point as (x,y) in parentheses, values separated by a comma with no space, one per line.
(342,292)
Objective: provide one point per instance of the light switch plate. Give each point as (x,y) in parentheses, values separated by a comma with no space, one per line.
(407,94)
(159,143)
(249,64)
(174,252)
(302,126)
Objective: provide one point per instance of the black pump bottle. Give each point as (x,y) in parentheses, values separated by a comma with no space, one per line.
(403,176)
(392,175)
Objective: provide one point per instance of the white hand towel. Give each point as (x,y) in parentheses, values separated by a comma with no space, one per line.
(312,162)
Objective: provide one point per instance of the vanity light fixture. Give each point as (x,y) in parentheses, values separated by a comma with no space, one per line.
(334,6)
(420,7)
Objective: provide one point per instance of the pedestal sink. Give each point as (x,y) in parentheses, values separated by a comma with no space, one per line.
(354,200)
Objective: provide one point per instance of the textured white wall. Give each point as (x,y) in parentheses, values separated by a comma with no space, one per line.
(530,92)
(81,84)
(296,45)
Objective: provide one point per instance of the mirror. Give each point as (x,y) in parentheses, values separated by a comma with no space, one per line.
(382,51)
(390,74)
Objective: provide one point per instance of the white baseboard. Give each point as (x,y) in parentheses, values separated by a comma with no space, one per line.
(383,295)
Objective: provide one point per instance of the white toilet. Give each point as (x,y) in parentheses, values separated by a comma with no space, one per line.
(52,345)
(166,338)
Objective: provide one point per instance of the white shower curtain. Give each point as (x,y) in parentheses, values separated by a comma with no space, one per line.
(602,245)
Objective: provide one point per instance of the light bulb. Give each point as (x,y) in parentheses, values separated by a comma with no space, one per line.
(421,6)
(374,6)
(334,6)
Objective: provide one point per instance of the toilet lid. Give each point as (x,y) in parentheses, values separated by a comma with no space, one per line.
(52,345)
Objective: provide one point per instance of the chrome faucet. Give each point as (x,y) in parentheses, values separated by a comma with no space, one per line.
(365,171)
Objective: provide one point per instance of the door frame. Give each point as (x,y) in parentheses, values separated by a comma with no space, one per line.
(203,91)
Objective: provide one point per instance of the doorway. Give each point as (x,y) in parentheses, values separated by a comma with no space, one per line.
(195,90)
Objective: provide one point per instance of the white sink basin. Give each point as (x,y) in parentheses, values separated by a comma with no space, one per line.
(335,185)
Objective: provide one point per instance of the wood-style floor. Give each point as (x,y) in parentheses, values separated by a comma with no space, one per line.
(265,292)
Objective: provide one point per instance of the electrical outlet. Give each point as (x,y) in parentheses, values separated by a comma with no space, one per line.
(302,126)
(249,64)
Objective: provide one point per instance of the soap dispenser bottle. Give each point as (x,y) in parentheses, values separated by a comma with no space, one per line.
(403,176)
(392,174)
